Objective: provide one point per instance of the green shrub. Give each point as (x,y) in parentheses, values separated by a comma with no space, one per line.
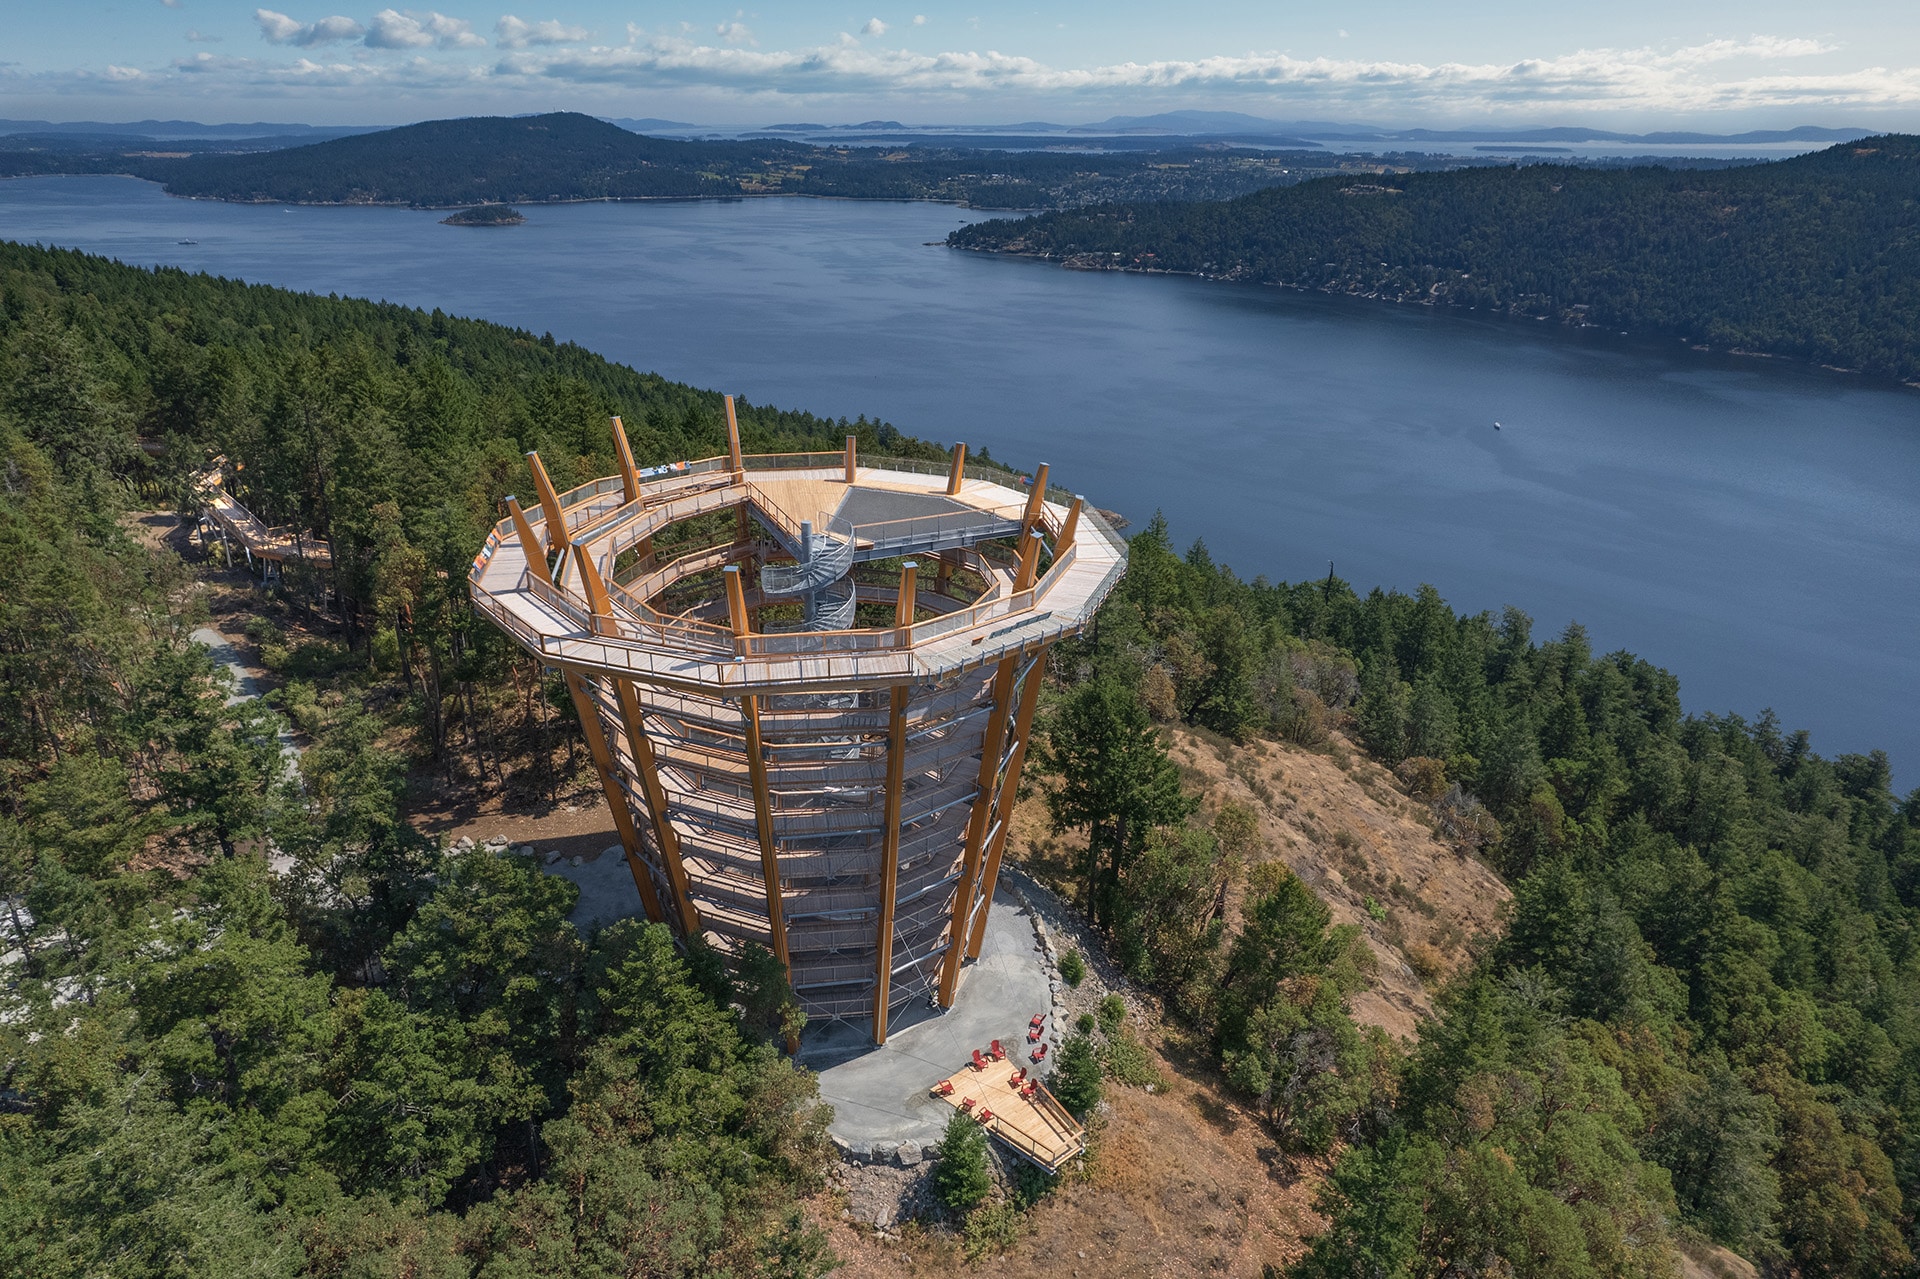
(1073,969)
(1128,1062)
(1085,1023)
(1031,1184)
(1076,1080)
(960,1179)
(993,1229)
(1113,1011)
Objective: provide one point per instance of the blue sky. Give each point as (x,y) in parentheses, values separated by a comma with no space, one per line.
(1622,63)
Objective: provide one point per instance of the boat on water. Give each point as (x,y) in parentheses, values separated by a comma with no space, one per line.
(1496,426)
(186,241)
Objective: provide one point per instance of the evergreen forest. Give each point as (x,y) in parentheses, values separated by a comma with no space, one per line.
(1815,258)
(374,1056)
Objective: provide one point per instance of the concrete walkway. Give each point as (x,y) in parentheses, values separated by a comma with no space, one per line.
(879,1095)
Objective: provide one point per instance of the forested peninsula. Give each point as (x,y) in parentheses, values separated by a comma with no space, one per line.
(569,156)
(375,1054)
(1814,258)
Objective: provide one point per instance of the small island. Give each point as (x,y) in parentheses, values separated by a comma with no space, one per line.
(486,215)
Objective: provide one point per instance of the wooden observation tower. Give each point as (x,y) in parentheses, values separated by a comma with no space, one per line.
(808,683)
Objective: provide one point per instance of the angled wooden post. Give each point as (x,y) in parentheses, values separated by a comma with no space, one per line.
(1029,561)
(623,452)
(890,860)
(549,504)
(529,544)
(853,443)
(903,607)
(1037,498)
(733,440)
(664,836)
(958,474)
(943,576)
(1008,795)
(737,607)
(616,798)
(763,821)
(984,794)
(757,775)
(1069,527)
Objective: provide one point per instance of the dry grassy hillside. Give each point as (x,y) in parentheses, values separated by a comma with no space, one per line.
(1183,1180)
(1342,825)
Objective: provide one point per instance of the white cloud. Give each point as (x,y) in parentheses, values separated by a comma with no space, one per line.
(513,33)
(874,27)
(1698,78)
(278,28)
(919,19)
(173,4)
(392,29)
(1774,75)
(201,37)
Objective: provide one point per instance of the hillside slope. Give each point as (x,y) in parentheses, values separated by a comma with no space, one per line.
(1816,258)
(1338,821)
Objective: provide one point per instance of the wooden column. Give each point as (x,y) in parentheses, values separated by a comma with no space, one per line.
(1037,498)
(943,576)
(958,474)
(733,440)
(529,544)
(903,607)
(1029,561)
(762,795)
(1069,528)
(549,504)
(992,738)
(852,454)
(629,473)
(1008,795)
(644,762)
(616,798)
(890,860)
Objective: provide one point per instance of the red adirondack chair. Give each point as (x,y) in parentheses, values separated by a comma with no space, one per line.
(1039,1054)
(997,1052)
(944,1088)
(979,1062)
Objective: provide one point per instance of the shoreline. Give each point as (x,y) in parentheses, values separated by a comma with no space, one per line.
(1093,263)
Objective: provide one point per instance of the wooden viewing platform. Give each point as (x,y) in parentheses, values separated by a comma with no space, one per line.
(1037,1128)
(808,682)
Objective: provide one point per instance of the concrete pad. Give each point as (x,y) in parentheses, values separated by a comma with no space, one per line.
(879,1095)
(607,893)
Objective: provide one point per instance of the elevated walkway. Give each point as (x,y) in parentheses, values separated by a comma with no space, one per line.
(237,524)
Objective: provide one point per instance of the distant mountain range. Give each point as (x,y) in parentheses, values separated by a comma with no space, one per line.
(567,156)
(1229,125)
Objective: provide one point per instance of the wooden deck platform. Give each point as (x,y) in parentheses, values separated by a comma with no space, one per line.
(1039,1128)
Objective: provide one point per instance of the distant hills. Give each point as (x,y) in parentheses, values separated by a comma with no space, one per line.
(567,156)
(182,129)
(1815,258)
